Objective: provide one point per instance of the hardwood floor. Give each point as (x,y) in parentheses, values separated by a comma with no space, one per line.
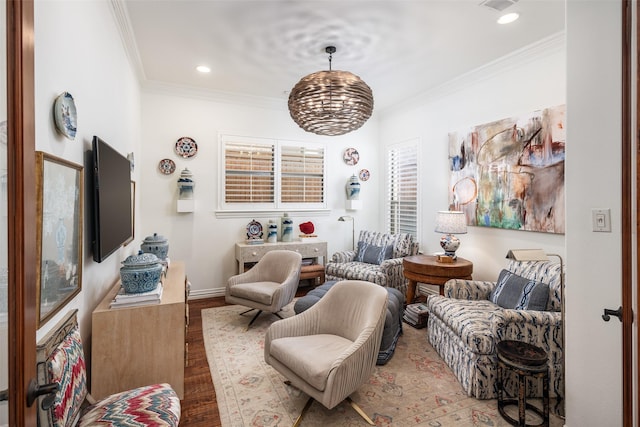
(199,406)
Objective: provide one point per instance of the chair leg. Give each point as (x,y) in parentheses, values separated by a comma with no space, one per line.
(360,412)
(246,311)
(253,320)
(279,316)
(304,411)
(353,404)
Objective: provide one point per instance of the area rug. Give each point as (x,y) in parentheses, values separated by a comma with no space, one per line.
(415,388)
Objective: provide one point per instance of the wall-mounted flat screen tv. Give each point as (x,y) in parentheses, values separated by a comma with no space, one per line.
(112,210)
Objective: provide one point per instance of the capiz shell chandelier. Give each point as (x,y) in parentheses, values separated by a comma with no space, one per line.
(330,102)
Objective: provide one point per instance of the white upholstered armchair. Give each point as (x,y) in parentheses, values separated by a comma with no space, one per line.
(378,259)
(268,286)
(331,349)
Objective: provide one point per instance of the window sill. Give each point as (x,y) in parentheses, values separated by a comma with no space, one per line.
(271,213)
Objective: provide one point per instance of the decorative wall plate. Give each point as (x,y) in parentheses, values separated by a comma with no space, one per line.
(254,230)
(65,115)
(351,156)
(186,147)
(364,175)
(167,166)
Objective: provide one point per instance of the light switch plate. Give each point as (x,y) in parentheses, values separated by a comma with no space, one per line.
(601,219)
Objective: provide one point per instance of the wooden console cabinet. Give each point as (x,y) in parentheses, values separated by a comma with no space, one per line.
(137,346)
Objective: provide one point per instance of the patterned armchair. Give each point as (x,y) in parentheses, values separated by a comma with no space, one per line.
(346,265)
(61,366)
(465,327)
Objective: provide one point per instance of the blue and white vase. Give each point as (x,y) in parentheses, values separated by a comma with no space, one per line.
(272,234)
(186,185)
(353,188)
(287,228)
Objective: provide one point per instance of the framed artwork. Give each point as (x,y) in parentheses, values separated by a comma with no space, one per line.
(510,173)
(60,202)
(133,213)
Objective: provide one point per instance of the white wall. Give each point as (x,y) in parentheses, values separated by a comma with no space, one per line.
(593,354)
(528,80)
(203,240)
(78,49)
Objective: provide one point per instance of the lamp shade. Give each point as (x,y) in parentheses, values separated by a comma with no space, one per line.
(451,222)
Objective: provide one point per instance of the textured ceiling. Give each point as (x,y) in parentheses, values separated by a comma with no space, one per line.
(262,48)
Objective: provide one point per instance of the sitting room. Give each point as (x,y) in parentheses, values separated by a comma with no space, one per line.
(205,103)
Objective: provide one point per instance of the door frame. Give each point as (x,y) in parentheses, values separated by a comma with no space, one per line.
(21,205)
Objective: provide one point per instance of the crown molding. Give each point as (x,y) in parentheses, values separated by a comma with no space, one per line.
(531,53)
(153,86)
(121,17)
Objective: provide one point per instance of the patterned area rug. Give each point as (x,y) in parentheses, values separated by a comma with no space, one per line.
(415,388)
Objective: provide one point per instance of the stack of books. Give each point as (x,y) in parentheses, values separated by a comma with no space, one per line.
(124,299)
(416,315)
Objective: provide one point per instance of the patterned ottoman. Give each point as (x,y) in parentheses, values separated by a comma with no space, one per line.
(392,324)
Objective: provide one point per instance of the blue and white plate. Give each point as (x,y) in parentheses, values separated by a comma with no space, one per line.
(65,115)
(254,230)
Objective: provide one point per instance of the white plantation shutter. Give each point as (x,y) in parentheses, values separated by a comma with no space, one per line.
(271,174)
(402,188)
(249,173)
(302,174)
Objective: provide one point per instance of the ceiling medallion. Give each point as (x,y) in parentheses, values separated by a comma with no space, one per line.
(330,102)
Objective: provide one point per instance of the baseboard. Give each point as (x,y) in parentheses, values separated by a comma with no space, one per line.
(206,293)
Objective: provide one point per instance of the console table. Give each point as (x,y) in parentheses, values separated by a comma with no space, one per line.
(143,345)
(248,253)
(426,269)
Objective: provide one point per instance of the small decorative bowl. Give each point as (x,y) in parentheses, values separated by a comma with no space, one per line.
(140,273)
(157,245)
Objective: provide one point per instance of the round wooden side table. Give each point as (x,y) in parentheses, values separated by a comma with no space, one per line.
(525,360)
(426,269)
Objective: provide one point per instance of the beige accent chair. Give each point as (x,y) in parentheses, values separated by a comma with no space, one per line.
(268,286)
(331,349)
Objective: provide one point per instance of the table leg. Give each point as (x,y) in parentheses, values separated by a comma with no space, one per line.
(411,291)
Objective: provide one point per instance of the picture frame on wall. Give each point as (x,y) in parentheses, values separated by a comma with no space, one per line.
(133,213)
(60,204)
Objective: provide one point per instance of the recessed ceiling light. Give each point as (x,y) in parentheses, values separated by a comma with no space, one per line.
(508,18)
(203,69)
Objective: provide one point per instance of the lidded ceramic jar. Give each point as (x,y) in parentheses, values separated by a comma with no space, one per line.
(157,245)
(140,273)
(352,187)
(186,185)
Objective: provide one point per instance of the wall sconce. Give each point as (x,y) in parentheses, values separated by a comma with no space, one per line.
(450,223)
(522,255)
(353,229)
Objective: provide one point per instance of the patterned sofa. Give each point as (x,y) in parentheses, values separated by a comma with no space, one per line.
(378,260)
(465,326)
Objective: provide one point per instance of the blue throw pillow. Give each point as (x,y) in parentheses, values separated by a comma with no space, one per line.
(517,292)
(372,254)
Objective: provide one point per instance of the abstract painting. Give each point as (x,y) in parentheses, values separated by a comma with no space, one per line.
(510,173)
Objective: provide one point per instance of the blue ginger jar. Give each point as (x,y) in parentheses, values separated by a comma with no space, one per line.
(353,188)
(272,233)
(140,273)
(287,228)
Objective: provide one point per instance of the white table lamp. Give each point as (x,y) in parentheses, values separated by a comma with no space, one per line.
(450,223)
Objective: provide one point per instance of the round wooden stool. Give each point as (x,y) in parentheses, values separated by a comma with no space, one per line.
(525,360)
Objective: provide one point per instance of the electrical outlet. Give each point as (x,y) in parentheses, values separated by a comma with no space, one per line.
(601,219)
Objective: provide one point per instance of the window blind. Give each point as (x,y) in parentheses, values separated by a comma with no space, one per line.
(402,188)
(249,173)
(302,174)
